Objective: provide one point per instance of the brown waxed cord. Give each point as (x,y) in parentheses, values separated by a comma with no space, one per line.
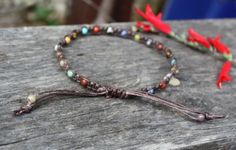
(29,106)
(122,94)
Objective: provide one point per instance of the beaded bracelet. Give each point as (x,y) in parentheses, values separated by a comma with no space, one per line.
(96,30)
(96,89)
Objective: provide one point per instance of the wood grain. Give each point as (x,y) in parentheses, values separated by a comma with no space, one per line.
(27,64)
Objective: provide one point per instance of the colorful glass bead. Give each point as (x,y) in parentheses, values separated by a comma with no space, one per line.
(149,42)
(84,30)
(74,34)
(134,29)
(124,33)
(67,39)
(96,29)
(173,61)
(151,91)
(168,77)
(159,46)
(168,53)
(110,30)
(63,63)
(70,73)
(174,69)
(137,37)
(84,82)
(162,85)
(57,47)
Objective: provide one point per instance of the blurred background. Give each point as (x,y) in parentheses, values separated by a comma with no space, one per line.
(15,13)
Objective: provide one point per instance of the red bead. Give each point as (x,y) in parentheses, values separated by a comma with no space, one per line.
(162,85)
(84,82)
(159,46)
(96,29)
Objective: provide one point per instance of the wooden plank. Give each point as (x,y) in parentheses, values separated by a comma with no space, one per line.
(28,65)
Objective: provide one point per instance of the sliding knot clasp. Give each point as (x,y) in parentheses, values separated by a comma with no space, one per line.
(116,93)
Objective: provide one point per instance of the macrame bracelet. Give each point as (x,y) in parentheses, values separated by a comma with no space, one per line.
(96,89)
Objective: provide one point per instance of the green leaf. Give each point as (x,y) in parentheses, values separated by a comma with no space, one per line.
(228,56)
(42,13)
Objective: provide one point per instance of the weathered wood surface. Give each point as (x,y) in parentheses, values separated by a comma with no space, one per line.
(27,64)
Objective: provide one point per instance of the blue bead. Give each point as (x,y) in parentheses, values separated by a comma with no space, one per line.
(173,61)
(84,30)
(124,33)
(151,91)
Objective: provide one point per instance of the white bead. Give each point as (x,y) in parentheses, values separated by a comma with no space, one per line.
(149,42)
(168,77)
(110,30)
(134,29)
(57,47)
(62,63)
(31,98)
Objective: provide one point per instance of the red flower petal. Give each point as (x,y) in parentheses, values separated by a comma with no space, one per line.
(148,10)
(159,16)
(193,36)
(154,20)
(224,74)
(218,45)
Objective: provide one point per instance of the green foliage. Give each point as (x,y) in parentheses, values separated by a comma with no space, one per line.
(44,15)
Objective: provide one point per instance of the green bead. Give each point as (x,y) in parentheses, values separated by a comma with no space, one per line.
(137,37)
(70,73)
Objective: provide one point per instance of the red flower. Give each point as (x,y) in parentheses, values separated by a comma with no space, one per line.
(193,36)
(144,26)
(218,45)
(224,74)
(154,20)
